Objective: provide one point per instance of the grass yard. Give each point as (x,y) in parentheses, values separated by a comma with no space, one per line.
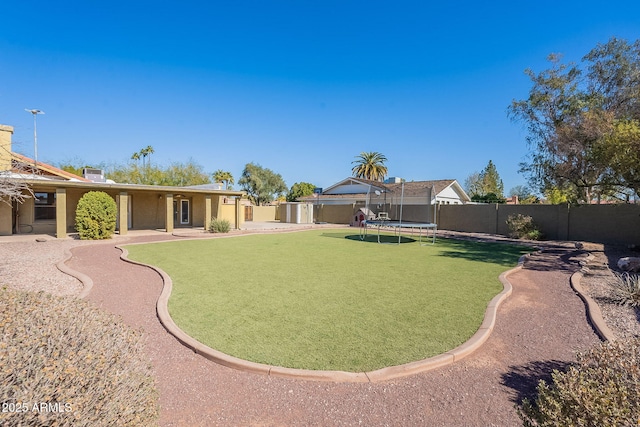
(323,299)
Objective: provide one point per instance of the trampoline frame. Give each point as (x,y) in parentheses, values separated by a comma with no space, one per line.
(397,227)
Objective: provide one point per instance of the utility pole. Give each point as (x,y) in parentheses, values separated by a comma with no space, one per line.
(35,134)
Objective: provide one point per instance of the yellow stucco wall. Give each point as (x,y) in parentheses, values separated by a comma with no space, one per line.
(264,213)
(148,210)
(228,212)
(6,222)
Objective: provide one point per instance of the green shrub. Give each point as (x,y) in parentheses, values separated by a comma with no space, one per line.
(219,225)
(602,389)
(523,227)
(488,198)
(626,289)
(96,216)
(65,362)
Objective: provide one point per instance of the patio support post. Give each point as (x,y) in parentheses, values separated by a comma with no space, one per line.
(168,220)
(207,211)
(61,213)
(123,213)
(238,213)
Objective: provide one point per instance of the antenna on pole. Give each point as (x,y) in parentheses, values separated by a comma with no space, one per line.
(35,134)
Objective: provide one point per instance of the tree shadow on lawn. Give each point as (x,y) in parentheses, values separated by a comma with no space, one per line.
(497,253)
(551,258)
(523,380)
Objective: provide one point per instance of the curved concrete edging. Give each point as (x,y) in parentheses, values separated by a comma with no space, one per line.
(593,309)
(383,374)
(87,282)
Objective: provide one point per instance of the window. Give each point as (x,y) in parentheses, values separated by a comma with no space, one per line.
(184,211)
(44,206)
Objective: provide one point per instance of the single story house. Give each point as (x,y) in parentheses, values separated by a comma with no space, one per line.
(352,190)
(51,209)
(418,198)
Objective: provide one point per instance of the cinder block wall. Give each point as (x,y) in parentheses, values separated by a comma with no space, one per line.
(615,224)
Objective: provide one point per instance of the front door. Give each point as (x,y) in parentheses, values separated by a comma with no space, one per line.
(181,212)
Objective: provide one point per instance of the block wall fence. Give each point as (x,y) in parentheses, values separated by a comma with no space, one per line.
(612,223)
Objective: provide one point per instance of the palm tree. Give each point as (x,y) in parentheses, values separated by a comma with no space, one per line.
(223,176)
(135,156)
(148,151)
(370,166)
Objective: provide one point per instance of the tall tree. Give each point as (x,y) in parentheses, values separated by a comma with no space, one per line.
(473,184)
(135,156)
(300,189)
(370,165)
(261,184)
(491,182)
(524,194)
(223,176)
(622,148)
(143,154)
(488,181)
(147,152)
(577,121)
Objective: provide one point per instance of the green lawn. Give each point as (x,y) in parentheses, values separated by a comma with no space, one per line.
(323,299)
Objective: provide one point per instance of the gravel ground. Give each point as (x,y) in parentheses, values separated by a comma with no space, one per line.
(598,281)
(31,266)
(540,327)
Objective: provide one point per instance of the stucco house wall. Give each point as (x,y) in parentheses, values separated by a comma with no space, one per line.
(139,206)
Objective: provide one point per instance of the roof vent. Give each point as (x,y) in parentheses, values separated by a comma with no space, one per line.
(95,175)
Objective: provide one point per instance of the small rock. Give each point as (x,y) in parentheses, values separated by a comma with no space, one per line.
(631,264)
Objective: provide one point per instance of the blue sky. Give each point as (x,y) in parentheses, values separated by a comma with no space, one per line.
(300,87)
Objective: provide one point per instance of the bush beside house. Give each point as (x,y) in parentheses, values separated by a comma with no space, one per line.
(96,216)
(219,225)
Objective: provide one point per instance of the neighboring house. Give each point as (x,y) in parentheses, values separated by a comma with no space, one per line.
(387,197)
(57,192)
(355,190)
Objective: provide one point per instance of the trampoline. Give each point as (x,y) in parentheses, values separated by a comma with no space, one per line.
(398,227)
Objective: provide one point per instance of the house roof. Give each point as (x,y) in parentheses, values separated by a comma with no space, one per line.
(411,188)
(42,170)
(53,177)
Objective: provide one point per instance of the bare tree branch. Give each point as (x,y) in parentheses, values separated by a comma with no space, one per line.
(13,188)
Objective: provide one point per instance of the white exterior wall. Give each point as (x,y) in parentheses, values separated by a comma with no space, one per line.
(297,213)
(350,189)
(448,196)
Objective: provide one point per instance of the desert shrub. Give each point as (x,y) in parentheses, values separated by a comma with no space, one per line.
(96,216)
(65,362)
(219,225)
(626,289)
(601,389)
(523,227)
